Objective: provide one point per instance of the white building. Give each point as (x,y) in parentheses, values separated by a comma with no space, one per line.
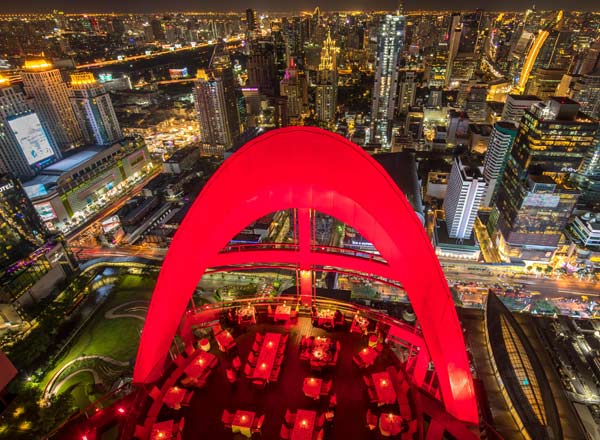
(50,99)
(389,50)
(515,107)
(501,141)
(466,189)
(94,110)
(586,230)
(19,125)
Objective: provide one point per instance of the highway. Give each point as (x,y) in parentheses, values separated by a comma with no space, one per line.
(565,287)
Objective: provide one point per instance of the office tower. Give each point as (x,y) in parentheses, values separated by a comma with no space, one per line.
(586,91)
(49,98)
(466,189)
(327,79)
(535,198)
(157,29)
(216,107)
(587,179)
(94,110)
(21,230)
(516,105)
(25,146)
(590,61)
(252,24)
(292,89)
(389,51)
(261,67)
(544,82)
(475,103)
(453,42)
(501,141)
(407,90)
(280,52)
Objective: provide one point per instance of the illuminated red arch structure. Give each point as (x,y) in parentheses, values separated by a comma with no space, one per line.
(311,169)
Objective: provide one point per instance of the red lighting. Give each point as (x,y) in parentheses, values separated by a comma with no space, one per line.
(262,177)
(121,410)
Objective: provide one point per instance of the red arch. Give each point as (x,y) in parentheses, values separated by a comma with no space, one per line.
(301,167)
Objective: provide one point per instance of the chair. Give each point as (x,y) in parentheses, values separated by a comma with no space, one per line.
(259,384)
(379,348)
(179,361)
(326,387)
(319,422)
(141,432)
(372,396)
(368,381)
(284,434)
(236,363)
(270,312)
(155,393)
(371,420)
(358,361)
(319,435)
(227,418)
(256,347)
(259,338)
(252,358)
(333,401)
(186,400)
(247,370)
(189,350)
(274,375)
(257,425)
(231,376)
(285,338)
(281,350)
(290,417)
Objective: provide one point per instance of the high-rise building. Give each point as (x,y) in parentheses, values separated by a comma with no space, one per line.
(389,49)
(94,110)
(261,67)
(501,141)
(49,97)
(544,82)
(587,179)
(21,230)
(590,61)
(475,102)
(535,198)
(327,79)
(454,32)
(292,87)
(516,105)
(25,146)
(586,91)
(216,107)
(466,189)
(252,24)
(158,33)
(407,90)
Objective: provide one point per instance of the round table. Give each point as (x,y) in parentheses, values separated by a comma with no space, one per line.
(204,344)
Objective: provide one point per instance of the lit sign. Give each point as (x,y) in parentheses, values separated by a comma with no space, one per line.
(105,77)
(6,187)
(34,191)
(45,211)
(110,224)
(31,137)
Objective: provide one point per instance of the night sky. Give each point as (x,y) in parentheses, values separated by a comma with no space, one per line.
(33,6)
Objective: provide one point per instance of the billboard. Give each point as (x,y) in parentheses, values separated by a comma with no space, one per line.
(36,190)
(31,137)
(45,211)
(110,224)
(536,200)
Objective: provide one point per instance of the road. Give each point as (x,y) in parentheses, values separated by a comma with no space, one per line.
(546,287)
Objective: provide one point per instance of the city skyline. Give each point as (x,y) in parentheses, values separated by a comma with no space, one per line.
(156,6)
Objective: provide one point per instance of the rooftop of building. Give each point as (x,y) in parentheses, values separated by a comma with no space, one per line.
(74,160)
(470,167)
(444,240)
(524,97)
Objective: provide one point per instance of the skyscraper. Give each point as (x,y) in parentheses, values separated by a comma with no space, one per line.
(535,198)
(501,141)
(453,42)
(516,105)
(327,79)
(50,99)
(252,24)
(407,90)
(24,144)
(389,50)
(261,67)
(94,110)
(466,189)
(586,91)
(216,107)
(292,88)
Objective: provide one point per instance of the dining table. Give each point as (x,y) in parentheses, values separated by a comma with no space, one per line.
(246,314)
(384,388)
(283,312)
(390,424)
(162,430)
(225,340)
(325,316)
(174,396)
(267,356)
(312,387)
(304,425)
(242,422)
(199,365)
(368,356)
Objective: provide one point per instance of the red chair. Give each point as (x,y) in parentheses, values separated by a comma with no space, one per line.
(251,358)
(371,420)
(319,422)
(259,384)
(155,393)
(256,347)
(259,338)
(236,363)
(231,376)
(319,435)
(284,434)
(227,418)
(186,400)
(247,370)
(257,425)
(333,401)
(290,417)
(141,433)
